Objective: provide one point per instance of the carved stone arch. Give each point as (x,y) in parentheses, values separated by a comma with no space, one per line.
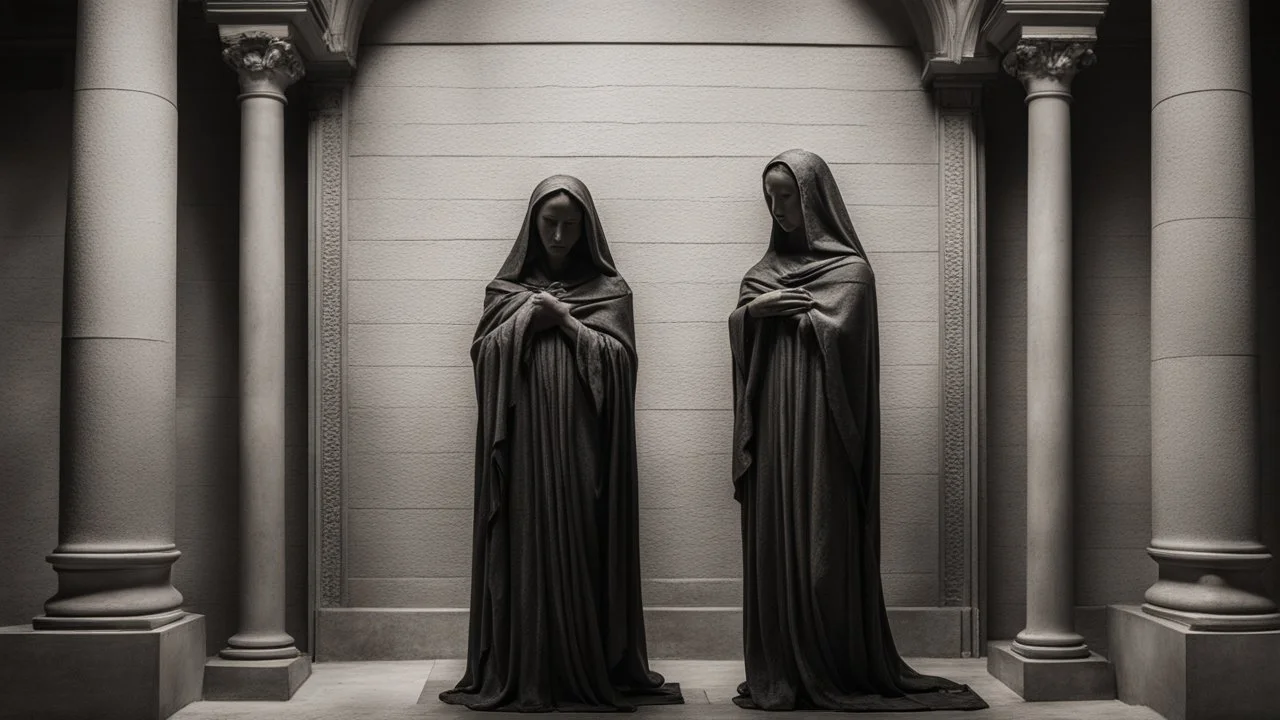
(929,18)
(949,33)
(347,20)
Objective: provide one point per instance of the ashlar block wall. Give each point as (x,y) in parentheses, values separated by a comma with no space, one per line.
(458,109)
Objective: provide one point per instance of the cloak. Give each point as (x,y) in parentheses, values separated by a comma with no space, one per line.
(806,471)
(556,615)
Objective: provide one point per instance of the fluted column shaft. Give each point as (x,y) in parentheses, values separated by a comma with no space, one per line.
(1204,360)
(1046,69)
(118,433)
(267,65)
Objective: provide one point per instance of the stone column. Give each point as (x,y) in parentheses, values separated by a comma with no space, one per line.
(1049,660)
(270,666)
(114,642)
(117,445)
(1204,358)
(1207,642)
(1046,69)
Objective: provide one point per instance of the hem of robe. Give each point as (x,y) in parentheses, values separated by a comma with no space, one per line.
(960,697)
(667,694)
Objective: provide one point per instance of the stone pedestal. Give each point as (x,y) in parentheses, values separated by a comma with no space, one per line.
(101,674)
(1186,674)
(255,679)
(1086,678)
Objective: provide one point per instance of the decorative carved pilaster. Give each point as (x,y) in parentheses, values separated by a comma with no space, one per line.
(265,63)
(960,257)
(1048,66)
(328,137)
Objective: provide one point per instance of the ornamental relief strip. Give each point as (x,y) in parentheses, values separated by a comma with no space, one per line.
(955,129)
(960,350)
(328,347)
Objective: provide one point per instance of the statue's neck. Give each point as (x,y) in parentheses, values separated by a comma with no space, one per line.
(794,242)
(556,266)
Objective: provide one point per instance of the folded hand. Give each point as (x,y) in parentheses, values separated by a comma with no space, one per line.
(787,301)
(548,311)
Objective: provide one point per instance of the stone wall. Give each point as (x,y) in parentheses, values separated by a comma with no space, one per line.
(1265,19)
(35,131)
(459,109)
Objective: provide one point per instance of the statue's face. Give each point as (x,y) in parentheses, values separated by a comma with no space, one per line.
(783,197)
(559,225)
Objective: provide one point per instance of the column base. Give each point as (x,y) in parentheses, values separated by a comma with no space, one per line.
(1040,680)
(1187,674)
(123,622)
(1209,621)
(110,675)
(255,679)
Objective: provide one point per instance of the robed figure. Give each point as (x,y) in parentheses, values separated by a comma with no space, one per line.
(556,614)
(806,465)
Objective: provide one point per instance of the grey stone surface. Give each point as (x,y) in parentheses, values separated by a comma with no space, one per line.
(34,134)
(107,674)
(1040,680)
(1111,259)
(208,339)
(1205,441)
(255,679)
(35,131)
(116,451)
(673,633)
(266,65)
(389,634)
(1046,67)
(392,690)
(1192,675)
(408,259)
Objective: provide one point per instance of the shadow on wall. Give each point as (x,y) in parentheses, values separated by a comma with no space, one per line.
(1265,19)
(35,130)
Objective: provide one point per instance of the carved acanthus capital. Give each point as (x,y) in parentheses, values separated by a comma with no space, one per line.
(1048,66)
(265,63)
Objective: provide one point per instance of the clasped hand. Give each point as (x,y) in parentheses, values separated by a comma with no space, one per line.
(777,303)
(548,311)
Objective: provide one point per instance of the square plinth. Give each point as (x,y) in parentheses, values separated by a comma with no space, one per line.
(255,679)
(1089,678)
(1186,674)
(101,674)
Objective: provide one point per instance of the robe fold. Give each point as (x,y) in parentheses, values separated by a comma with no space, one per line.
(806,471)
(556,615)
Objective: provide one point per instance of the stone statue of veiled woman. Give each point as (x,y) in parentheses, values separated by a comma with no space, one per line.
(556,615)
(806,465)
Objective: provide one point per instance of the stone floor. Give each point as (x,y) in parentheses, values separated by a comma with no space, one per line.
(391,690)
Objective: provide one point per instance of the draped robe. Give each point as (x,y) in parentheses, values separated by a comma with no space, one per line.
(806,468)
(556,615)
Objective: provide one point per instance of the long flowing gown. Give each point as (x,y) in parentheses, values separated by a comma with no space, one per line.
(806,472)
(556,615)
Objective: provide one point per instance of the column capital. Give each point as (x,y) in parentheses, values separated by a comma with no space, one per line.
(1047,66)
(267,63)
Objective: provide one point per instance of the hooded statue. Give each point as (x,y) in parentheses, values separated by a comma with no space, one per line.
(806,465)
(556,616)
